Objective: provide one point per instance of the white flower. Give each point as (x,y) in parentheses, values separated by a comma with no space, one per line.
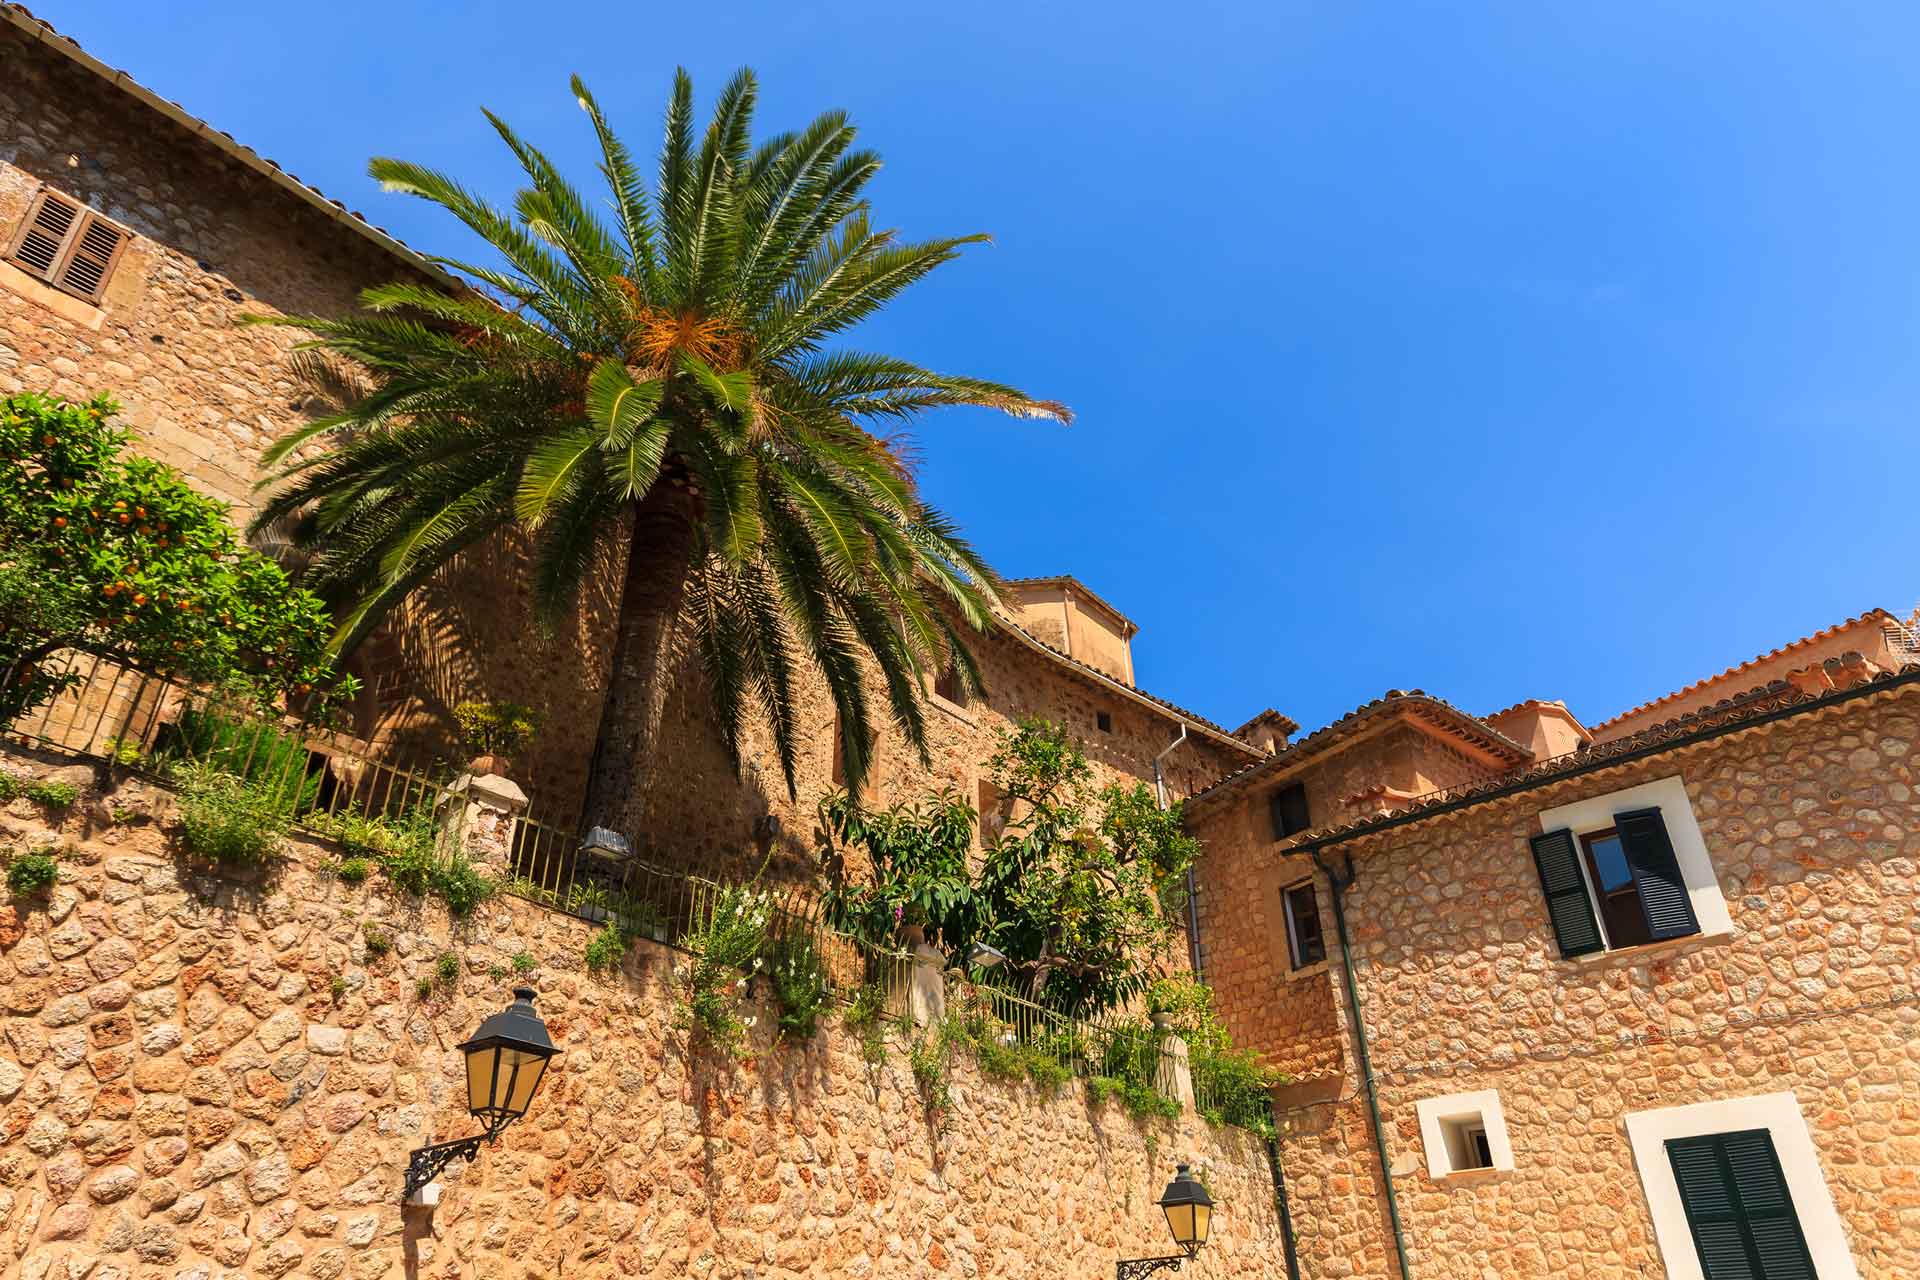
(748,1022)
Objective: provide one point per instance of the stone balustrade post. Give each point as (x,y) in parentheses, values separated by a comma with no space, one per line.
(927,991)
(479,819)
(1173,1074)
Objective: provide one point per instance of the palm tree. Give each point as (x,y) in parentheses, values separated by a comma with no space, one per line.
(661,385)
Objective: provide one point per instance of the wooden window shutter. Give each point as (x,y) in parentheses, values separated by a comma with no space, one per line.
(1557,858)
(1738,1208)
(1656,874)
(68,245)
(52,223)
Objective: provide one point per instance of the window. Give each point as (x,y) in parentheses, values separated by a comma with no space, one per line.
(1612,881)
(1305,944)
(1734,1189)
(948,686)
(68,245)
(1738,1208)
(1627,869)
(1288,808)
(1103,721)
(1464,1133)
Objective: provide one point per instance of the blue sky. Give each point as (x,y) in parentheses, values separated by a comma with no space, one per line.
(1505,350)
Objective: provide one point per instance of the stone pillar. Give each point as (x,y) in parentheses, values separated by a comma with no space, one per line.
(480,816)
(927,991)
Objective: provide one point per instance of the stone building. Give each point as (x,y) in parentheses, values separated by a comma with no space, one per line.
(134,237)
(1569,1001)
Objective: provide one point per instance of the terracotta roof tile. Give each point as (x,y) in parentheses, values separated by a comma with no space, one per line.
(1880,616)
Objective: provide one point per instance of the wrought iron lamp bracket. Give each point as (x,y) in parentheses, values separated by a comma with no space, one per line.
(1134,1268)
(427,1163)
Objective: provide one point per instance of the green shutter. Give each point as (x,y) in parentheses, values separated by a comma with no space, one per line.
(1557,859)
(1738,1207)
(1656,874)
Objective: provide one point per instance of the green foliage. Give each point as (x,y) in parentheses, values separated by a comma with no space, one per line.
(105,550)
(227,820)
(802,988)
(461,885)
(446,969)
(48,795)
(727,949)
(423,989)
(353,870)
(602,363)
(522,962)
(251,748)
(1080,891)
(125,752)
(1140,1100)
(338,986)
(919,857)
(496,971)
(31,875)
(928,1057)
(378,940)
(494,728)
(604,951)
(866,1017)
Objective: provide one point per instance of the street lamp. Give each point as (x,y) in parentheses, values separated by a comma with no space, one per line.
(1189,1213)
(506,1060)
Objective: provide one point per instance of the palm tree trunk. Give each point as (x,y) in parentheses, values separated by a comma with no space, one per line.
(648,656)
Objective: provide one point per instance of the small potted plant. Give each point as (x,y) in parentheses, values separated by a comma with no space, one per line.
(492,732)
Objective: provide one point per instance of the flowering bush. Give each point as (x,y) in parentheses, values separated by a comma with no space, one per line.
(727,951)
(801,985)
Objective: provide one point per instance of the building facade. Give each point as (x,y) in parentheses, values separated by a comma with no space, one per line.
(1639,1000)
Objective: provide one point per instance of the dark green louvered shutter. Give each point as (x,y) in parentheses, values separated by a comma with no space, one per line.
(1656,874)
(1738,1207)
(1557,859)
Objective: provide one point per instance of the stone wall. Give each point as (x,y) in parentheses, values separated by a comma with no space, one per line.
(210,1076)
(1813,825)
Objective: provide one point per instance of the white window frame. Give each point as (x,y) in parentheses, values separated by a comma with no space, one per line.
(1478,1110)
(1669,795)
(1293,938)
(1779,1114)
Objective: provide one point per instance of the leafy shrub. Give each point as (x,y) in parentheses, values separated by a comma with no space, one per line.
(927,1057)
(339,988)
(522,962)
(48,795)
(378,940)
(461,885)
(353,870)
(412,870)
(227,820)
(802,988)
(866,1017)
(489,728)
(251,749)
(726,949)
(604,952)
(30,875)
(102,548)
(423,989)
(446,969)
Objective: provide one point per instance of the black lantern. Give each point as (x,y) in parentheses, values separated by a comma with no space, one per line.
(506,1060)
(1189,1211)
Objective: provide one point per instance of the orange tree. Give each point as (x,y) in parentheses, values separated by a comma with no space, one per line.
(114,553)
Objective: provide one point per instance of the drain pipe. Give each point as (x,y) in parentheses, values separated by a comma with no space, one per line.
(1193,911)
(1339,885)
(1286,1212)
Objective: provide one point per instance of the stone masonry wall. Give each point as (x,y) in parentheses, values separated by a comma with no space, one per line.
(1813,825)
(184,1092)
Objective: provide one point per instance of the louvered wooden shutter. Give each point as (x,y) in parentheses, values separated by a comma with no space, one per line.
(50,228)
(1738,1207)
(1557,858)
(1656,874)
(68,246)
(91,259)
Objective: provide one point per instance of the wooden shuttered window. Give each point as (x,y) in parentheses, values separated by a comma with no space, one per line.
(1556,856)
(1656,874)
(1738,1208)
(68,245)
(1288,809)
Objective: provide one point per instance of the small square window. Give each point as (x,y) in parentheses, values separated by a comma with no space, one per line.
(1305,943)
(1103,721)
(948,686)
(1288,809)
(1464,1133)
